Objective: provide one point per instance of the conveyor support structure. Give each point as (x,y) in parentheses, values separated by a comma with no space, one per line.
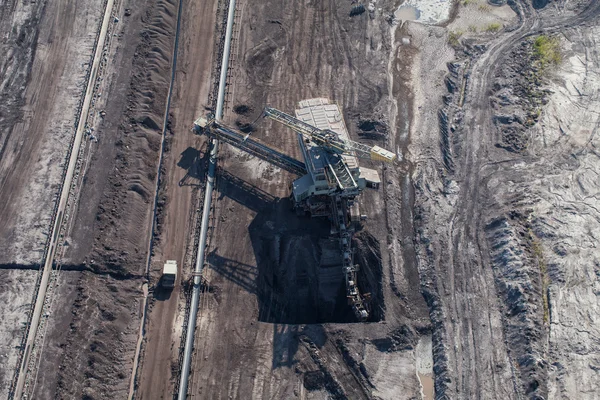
(244,142)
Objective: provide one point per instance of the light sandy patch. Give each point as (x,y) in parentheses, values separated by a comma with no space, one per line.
(566,139)
(424,355)
(478,16)
(393,373)
(428,12)
(16,288)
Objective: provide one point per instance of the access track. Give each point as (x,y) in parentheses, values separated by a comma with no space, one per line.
(17,391)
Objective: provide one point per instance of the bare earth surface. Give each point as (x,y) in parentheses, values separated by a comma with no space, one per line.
(14,304)
(157,371)
(480,251)
(270,270)
(40,101)
(486,233)
(111,228)
(46,49)
(570,202)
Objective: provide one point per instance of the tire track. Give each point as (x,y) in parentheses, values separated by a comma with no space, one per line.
(467,247)
(40,296)
(133,381)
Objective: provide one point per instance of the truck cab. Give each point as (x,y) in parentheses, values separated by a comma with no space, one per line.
(169,275)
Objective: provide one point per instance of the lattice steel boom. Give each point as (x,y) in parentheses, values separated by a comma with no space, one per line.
(329,139)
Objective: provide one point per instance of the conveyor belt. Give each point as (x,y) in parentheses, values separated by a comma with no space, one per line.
(340,172)
(251,146)
(355,299)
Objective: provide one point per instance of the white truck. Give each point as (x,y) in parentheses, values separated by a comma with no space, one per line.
(169,275)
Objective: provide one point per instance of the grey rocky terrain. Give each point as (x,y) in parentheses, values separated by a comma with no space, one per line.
(508,211)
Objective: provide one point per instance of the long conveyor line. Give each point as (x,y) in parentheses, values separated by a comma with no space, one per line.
(251,146)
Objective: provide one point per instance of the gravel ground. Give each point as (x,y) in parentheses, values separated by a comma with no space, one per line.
(16,289)
(481,246)
(50,46)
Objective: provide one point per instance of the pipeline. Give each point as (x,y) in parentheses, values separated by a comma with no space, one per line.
(212,167)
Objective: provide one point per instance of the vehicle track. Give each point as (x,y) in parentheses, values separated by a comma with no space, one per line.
(136,359)
(59,219)
(468,248)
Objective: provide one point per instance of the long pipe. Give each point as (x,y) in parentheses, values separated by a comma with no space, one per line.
(212,166)
(62,205)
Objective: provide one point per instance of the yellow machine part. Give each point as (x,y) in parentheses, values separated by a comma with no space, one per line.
(380,154)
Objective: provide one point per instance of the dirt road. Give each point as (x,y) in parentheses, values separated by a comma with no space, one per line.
(190,98)
(495,349)
(50,65)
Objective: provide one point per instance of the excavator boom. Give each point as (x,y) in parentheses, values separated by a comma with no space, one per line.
(329,139)
(330,178)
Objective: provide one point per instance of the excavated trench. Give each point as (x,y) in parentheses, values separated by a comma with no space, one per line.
(299,269)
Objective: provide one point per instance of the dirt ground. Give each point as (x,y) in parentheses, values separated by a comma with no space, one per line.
(480,248)
(483,242)
(570,251)
(180,189)
(489,331)
(15,292)
(89,343)
(93,320)
(109,233)
(272,273)
(48,48)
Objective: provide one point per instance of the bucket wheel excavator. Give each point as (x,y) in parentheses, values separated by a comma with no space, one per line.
(330,178)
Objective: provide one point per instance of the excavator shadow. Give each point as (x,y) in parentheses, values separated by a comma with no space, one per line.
(298,277)
(195,163)
(241,274)
(244,193)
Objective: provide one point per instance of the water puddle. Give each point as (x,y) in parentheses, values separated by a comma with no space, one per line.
(427,389)
(428,12)
(424,355)
(407,13)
